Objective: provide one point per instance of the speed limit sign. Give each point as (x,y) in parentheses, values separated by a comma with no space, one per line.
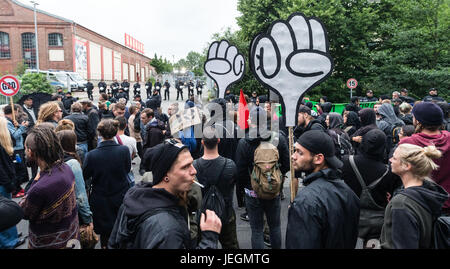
(9,85)
(352,83)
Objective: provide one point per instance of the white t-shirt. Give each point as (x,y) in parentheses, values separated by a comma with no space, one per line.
(130,142)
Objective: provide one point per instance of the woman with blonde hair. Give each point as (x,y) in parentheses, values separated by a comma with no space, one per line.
(409,216)
(50,112)
(9,237)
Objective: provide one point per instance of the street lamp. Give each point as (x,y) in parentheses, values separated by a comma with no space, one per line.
(36,34)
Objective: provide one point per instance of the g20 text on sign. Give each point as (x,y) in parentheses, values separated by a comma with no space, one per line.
(9,85)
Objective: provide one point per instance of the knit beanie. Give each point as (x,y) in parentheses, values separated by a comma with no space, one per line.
(161,158)
(428,114)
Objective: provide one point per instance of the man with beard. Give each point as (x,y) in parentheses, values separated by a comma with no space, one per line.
(315,217)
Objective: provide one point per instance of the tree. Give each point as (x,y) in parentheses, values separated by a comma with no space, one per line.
(160,65)
(195,62)
(35,82)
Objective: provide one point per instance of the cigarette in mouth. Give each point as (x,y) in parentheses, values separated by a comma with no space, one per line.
(201,186)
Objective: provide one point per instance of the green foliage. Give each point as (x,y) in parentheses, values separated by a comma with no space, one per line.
(161,65)
(21,68)
(33,82)
(386,45)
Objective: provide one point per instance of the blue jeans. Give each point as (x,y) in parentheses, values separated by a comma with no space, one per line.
(8,237)
(84,148)
(256,208)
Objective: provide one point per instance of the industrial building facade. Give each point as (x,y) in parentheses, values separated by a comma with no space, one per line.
(64,45)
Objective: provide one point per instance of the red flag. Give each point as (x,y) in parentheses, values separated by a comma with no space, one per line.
(244,113)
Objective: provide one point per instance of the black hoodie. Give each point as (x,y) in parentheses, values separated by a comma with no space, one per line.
(167,228)
(409,217)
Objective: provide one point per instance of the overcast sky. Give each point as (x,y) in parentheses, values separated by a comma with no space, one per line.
(166,27)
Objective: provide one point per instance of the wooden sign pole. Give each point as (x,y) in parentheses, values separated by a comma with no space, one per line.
(294,181)
(12,108)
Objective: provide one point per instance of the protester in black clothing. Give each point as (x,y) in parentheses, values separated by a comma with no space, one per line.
(315,217)
(354,105)
(137,89)
(325,108)
(154,216)
(102,87)
(138,99)
(405,98)
(158,86)
(225,176)
(305,122)
(351,122)
(371,166)
(405,113)
(10,214)
(253,98)
(148,88)
(433,96)
(230,97)
(446,111)
(122,94)
(82,130)
(155,101)
(90,89)
(68,101)
(93,120)
(368,122)
(369,97)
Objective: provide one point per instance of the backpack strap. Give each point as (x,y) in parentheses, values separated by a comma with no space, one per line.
(360,178)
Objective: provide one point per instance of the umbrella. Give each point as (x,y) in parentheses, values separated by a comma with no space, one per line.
(39,98)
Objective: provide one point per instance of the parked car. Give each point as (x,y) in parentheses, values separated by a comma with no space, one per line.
(56,78)
(77,78)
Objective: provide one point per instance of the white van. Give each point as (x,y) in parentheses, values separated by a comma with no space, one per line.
(56,78)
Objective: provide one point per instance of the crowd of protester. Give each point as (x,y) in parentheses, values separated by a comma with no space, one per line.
(380,174)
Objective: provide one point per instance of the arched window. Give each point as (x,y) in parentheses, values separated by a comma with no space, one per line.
(29,50)
(55,40)
(5,51)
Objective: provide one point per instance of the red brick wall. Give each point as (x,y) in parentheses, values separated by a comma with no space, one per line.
(16,20)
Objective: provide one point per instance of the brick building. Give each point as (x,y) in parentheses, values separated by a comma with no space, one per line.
(64,45)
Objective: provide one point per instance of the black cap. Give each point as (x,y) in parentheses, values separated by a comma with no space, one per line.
(304,109)
(319,142)
(160,158)
(404,90)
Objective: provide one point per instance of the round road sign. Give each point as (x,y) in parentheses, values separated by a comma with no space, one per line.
(352,83)
(9,85)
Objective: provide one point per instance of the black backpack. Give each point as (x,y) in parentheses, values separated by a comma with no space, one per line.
(342,145)
(441,232)
(213,198)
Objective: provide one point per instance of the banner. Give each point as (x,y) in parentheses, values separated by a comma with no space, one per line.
(184,119)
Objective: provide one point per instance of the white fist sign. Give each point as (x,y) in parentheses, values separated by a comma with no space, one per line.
(225,65)
(292,58)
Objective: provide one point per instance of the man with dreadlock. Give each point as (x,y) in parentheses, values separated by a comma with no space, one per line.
(50,204)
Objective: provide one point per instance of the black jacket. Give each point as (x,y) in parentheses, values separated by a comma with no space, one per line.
(158,84)
(370,171)
(245,157)
(67,102)
(108,165)
(7,171)
(81,127)
(324,215)
(10,213)
(409,217)
(167,86)
(166,229)
(154,133)
(93,120)
(125,85)
(154,102)
(312,125)
(102,84)
(149,85)
(30,118)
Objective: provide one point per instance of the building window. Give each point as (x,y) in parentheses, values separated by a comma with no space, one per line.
(29,50)
(55,40)
(5,52)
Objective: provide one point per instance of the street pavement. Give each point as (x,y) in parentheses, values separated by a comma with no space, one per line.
(242,227)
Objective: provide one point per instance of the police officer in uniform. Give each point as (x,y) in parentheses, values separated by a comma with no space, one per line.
(180,90)
(148,88)
(102,87)
(190,86)
(199,88)
(126,88)
(115,88)
(90,89)
(137,89)
(158,86)
(166,90)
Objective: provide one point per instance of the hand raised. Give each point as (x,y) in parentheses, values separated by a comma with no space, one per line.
(292,58)
(224,65)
